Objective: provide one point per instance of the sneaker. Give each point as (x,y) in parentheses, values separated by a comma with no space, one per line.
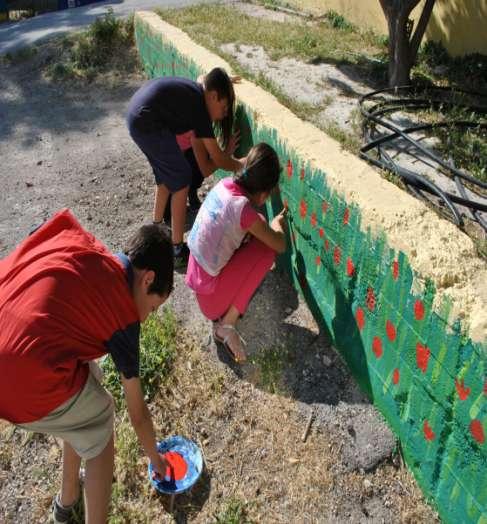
(181,254)
(60,513)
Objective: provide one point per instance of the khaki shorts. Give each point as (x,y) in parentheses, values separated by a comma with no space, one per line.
(85,421)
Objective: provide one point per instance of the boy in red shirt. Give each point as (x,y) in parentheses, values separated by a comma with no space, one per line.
(65,301)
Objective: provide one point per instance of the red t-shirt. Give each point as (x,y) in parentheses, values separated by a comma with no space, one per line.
(64,300)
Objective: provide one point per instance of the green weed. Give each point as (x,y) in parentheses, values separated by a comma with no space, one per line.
(20,56)
(234,512)
(271,363)
(338,21)
(157,350)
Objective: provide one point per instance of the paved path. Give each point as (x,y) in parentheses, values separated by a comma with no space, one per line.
(15,35)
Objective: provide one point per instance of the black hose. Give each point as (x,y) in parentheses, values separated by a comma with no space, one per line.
(375,116)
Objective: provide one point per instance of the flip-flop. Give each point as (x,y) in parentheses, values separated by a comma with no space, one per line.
(224,340)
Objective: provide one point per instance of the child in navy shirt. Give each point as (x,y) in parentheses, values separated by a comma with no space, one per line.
(165,107)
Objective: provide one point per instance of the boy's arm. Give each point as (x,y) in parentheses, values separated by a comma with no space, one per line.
(221,159)
(142,422)
(205,163)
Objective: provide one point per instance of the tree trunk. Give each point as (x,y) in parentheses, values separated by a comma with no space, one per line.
(402,47)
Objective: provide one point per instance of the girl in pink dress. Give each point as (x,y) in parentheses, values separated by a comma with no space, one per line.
(232,246)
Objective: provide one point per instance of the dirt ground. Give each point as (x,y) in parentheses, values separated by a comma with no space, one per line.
(66,145)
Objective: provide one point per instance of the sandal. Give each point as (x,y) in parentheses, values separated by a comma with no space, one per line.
(232,341)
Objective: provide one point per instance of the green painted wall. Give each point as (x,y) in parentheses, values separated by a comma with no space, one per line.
(426,377)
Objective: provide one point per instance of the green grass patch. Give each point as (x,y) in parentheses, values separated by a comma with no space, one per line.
(104,46)
(233,512)
(18,57)
(157,351)
(316,42)
(271,363)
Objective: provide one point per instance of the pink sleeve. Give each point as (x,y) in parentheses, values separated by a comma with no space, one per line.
(248,217)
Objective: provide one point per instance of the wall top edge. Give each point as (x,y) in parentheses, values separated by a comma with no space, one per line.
(436,249)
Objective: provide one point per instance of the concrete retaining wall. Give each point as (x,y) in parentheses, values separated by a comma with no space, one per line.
(400,291)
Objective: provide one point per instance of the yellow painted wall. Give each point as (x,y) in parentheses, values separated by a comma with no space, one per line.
(461,25)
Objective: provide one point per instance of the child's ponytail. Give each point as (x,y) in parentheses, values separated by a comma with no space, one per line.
(261,171)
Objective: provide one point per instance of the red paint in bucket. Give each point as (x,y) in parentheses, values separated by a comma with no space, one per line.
(177,465)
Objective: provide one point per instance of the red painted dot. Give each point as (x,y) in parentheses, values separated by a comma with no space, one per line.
(301,175)
(289,169)
(177,465)
(350,267)
(322,232)
(337,255)
(395,269)
(391,331)
(462,391)
(428,432)
(377,347)
(313,219)
(346,216)
(477,431)
(418,310)
(485,388)
(395,376)
(327,244)
(360,318)
(303,208)
(324,206)
(370,300)
(318,260)
(422,357)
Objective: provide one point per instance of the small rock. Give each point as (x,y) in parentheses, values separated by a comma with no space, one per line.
(288,311)
(29,184)
(327,361)
(39,162)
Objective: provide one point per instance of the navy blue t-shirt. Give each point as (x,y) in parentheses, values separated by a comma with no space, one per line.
(172,103)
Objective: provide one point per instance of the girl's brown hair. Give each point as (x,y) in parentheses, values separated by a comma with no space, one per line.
(261,171)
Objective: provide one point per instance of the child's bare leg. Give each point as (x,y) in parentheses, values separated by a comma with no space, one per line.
(70,482)
(231,316)
(178,211)
(98,485)
(160,199)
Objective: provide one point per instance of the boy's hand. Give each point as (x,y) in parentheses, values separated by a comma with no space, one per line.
(235,79)
(233,143)
(159,467)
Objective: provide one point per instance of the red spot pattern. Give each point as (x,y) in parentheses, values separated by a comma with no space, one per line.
(322,232)
(303,208)
(370,300)
(301,175)
(350,267)
(418,310)
(313,219)
(428,432)
(337,255)
(395,269)
(360,318)
(177,467)
(485,388)
(422,357)
(318,260)
(462,391)
(377,347)
(324,206)
(327,244)
(346,216)
(395,376)
(289,169)
(477,431)
(391,331)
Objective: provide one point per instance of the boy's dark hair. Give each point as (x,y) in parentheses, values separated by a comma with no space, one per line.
(262,169)
(218,80)
(150,248)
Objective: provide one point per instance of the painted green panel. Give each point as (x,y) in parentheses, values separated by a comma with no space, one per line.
(362,291)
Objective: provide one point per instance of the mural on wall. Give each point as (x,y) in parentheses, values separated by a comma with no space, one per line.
(423,373)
